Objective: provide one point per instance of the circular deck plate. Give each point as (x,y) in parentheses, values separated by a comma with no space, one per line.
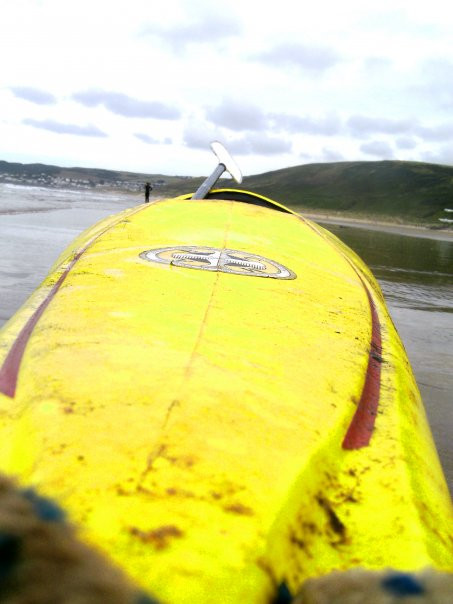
(222,260)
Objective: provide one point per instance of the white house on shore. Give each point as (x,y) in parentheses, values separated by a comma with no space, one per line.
(449,220)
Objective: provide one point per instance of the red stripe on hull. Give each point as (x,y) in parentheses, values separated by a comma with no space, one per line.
(9,370)
(362,424)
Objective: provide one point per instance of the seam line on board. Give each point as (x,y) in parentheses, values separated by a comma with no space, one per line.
(193,354)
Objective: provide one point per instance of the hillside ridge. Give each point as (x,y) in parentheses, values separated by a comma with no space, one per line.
(408,191)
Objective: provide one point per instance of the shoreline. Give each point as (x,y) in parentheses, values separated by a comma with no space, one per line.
(373,224)
(385,227)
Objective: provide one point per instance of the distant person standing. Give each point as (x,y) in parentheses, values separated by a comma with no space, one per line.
(148,188)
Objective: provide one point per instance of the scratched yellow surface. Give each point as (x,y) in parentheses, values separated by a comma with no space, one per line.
(191,422)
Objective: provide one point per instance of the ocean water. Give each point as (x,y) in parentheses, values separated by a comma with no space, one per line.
(415,273)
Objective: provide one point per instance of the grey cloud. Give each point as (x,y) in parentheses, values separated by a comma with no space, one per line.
(362,126)
(198,137)
(308,58)
(124,105)
(60,128)
(443,132)
(331,155)
(269,145)
(377,148)
(438,68)
(237,116)
(259,143)
(328,125)
(242,116)
(442,156)
(34,95)
(206,29)
(149,140)
(375,64)
(405,142)
(437,86)
(146,139)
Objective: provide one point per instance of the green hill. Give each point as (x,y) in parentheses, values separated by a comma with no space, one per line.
(408,192)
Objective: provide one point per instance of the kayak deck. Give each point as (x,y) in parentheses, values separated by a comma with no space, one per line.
(194,423)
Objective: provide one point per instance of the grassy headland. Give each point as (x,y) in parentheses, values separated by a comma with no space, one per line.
(396,191)
(407,192)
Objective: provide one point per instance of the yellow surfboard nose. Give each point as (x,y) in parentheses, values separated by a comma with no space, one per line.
(216,394)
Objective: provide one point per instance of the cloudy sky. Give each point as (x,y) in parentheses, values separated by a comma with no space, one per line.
(144,85)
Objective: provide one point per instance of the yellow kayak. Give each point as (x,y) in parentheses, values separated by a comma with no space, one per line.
(215,393)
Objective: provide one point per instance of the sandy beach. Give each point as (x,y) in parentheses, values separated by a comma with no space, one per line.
(441,234)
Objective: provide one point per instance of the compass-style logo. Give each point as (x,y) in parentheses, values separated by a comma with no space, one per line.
(223,260)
